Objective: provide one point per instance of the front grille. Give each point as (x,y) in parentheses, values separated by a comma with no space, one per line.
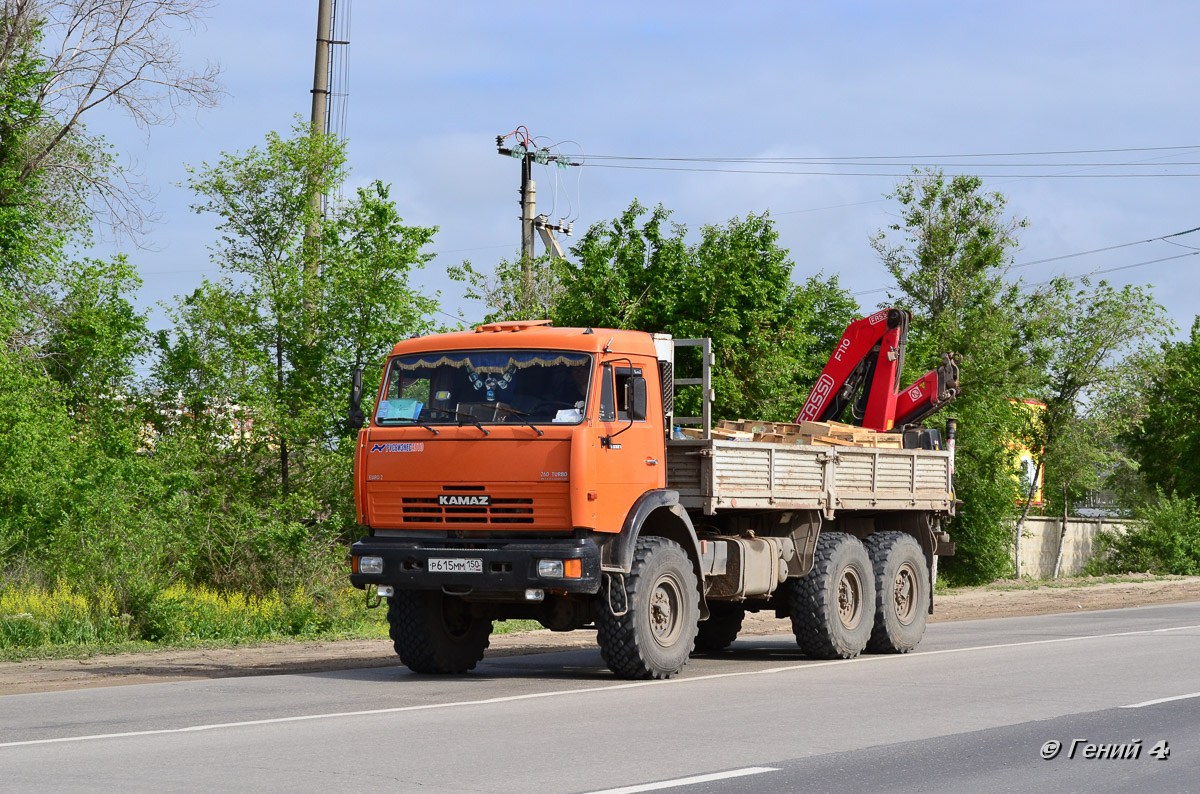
(426,510)
(513,507)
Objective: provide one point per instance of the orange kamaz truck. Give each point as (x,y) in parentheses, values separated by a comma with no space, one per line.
(528,471)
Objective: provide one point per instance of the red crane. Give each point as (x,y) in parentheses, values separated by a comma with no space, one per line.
(868,362)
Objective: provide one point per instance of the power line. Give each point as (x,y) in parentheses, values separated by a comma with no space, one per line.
(1145,163)
(454,316)
(1163,238)
(882,174)
(892,157)
(1115,269)
(432,254)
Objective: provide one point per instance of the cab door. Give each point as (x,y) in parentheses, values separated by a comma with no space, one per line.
(631,453)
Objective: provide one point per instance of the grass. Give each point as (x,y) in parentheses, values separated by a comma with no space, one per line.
(62,622)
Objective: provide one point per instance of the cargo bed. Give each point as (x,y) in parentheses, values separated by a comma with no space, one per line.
(714,475)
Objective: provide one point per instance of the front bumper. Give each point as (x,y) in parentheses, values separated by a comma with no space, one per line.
(509,566)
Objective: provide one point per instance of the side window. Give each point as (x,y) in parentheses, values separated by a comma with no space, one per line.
(622,393)
(608,403)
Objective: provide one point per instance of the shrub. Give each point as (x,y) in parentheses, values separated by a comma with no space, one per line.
(1166,542)
(35,617)
(32,617)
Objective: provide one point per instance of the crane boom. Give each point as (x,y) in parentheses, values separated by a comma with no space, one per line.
(867,362)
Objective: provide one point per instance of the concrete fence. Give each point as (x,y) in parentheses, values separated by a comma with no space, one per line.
(1039,546)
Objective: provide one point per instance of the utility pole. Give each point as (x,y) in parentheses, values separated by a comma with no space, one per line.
(528,202)
(320,107)
(320,89)
(532,224)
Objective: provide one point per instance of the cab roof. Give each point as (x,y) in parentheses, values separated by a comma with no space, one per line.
(537,334)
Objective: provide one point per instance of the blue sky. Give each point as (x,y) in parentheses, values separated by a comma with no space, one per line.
(431,85)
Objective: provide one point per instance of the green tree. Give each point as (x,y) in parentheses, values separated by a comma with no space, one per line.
(35,450)
(948,254)
(1166,445)
(28,233)
(516,290)
(1094,333)
(260,346)
(734,284)
(368,304)
(96,335)
(262,199)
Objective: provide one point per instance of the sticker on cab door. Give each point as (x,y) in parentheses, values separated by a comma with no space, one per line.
(410,446)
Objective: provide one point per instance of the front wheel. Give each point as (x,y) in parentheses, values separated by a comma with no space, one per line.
(832,606)
(435,633)
(655,636)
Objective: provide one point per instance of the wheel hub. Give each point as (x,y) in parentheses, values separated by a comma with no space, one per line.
(665,606)
(849,598)
(904,593)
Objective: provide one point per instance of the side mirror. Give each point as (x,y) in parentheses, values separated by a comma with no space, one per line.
(356,418)
(635,398)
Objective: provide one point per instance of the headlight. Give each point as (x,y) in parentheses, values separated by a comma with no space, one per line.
(550,569)
(370,565)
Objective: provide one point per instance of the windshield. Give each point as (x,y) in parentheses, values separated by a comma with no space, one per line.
(486,386)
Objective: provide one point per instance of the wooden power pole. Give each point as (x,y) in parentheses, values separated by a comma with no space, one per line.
(320,107)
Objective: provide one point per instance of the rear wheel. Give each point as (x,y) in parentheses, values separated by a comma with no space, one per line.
(902,592)
(831,606)
(655,636)
(722,627)
(436,633)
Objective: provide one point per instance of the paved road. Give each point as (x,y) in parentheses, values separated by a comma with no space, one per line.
(972,707)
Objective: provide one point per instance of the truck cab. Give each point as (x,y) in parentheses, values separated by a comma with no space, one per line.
(498,466)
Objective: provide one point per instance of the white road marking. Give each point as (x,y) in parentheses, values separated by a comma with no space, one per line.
(1161,700)
(881,659)
(688,781)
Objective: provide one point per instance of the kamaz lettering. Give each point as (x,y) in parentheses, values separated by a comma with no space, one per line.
(455,500)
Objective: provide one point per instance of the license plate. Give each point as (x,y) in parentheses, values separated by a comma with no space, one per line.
(456,565)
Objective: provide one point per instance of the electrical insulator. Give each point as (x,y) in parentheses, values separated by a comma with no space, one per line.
(499,141)
(542,156)
(518,151)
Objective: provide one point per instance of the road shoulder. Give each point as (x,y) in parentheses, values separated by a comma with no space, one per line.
(310,657)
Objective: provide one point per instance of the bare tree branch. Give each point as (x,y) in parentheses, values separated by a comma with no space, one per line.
(121,53)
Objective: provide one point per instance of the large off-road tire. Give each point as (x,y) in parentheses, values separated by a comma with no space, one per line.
(655,636)
(831,606)
(902,592)
(435,633)
(722,627)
